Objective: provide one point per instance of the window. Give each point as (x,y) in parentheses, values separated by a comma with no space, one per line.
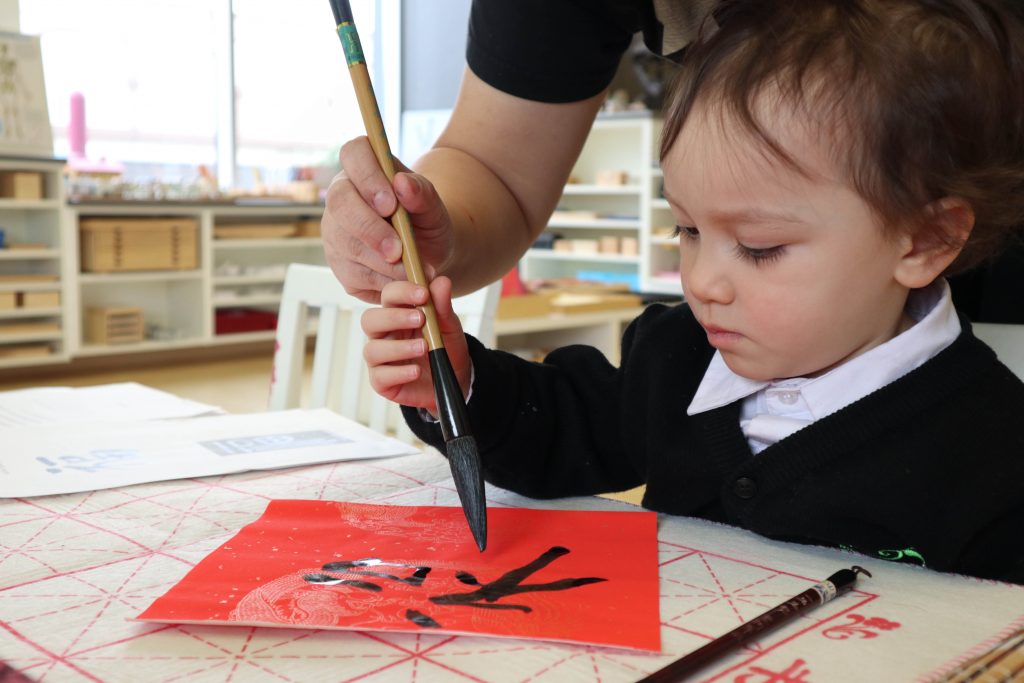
(295,104)
(153,78)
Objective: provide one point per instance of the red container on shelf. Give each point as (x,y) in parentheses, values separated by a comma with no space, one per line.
(235,320)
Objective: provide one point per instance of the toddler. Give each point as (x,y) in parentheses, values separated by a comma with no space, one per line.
(827,162)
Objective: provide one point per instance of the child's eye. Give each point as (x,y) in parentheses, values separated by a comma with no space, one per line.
(689,231)
(760,255)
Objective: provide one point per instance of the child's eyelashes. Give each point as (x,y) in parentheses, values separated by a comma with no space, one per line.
(688,231)
(757,255)
(761,255)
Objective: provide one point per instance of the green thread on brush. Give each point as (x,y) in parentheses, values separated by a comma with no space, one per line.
(350,44)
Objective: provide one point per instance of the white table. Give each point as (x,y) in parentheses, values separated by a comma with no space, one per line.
(75,569)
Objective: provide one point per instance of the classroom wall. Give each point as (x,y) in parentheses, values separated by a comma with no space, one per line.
(9,16)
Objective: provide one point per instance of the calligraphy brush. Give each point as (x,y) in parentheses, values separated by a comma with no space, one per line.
(460,446)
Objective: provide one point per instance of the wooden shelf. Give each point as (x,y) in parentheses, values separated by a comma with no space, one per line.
(278,243)
(551,255)
(236,280)
(148,276)
(30,204)
(597,224)
(268,300)
(18,338)
(27,361)
(591,189)
(148,345)
(16,313)
(28,254)
(242,337)
(30,286)
(627,144)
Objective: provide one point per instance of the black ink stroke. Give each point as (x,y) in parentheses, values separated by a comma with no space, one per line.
(484,597)
(421,619)
(511,583)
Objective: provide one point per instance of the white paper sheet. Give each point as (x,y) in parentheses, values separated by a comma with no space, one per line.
(126,401)
(39,460)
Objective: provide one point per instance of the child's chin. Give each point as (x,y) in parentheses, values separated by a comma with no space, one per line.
(757,371)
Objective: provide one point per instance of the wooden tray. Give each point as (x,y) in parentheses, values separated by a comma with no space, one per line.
(28,328)
(29,278)
(254,231)
(573,302)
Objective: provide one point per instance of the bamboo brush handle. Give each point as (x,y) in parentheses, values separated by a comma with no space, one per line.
(400,219)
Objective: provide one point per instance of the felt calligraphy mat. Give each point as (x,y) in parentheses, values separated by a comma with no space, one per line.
(588,577)
(75,570)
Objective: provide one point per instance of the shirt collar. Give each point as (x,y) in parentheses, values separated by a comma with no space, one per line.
(936,326)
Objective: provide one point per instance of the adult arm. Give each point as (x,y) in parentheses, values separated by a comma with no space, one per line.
(477,199)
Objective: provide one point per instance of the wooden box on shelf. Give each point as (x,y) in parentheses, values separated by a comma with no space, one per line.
(114,325)
(112,245)
(8,351)
(308,227)
(21,328)
(21,185)
(524,306)
(39,299)
(250,231)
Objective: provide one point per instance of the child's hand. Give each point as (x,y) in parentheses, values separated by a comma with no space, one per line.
(396,353)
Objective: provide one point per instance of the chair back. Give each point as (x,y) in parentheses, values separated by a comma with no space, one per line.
(339,378)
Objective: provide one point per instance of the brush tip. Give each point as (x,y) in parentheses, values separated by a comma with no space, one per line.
(464,459)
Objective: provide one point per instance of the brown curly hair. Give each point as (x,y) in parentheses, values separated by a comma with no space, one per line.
(925,99)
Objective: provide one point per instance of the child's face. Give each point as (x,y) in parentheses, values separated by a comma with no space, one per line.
(789,274)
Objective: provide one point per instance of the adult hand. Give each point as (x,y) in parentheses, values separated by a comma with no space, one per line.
(361,246)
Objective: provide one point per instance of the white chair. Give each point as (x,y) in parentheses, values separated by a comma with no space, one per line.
(1006,340)
(339,376)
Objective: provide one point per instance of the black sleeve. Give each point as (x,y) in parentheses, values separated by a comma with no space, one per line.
(550,50)
(551,429)
(996,552)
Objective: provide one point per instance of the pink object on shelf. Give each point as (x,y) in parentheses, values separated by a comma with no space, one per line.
(76,127)
(77,161)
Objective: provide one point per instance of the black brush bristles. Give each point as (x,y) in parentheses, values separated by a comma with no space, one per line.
(464,460)
(463,456)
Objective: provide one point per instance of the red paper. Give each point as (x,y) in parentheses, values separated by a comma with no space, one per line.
(585,577)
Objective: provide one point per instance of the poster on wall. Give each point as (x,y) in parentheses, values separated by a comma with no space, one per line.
(24,119)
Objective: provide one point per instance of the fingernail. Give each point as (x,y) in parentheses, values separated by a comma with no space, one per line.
(401,190)
(382,202)
(392,248)
(414,317)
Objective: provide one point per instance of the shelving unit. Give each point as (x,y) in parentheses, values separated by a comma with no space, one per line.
(33,279)
(239,268)
(180,306)
(632,212)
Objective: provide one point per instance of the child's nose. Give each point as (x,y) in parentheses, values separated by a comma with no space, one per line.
(705,279)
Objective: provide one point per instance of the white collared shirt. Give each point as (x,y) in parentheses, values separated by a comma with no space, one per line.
(772,410)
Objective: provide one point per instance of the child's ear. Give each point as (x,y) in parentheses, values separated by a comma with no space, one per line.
(935,243)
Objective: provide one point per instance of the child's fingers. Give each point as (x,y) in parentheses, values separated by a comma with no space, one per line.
(388,351)
(388,380)
(441,293)
(403,293)
(379,323)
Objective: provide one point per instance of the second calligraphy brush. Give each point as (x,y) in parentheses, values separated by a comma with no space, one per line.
(460,445)
(818,594)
